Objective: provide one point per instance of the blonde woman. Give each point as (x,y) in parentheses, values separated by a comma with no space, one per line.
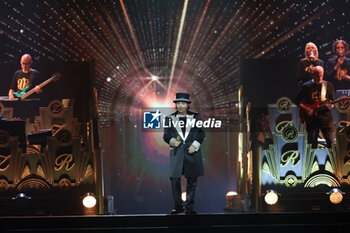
(306,65)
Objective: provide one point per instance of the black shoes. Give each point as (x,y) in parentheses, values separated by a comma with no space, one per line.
(181,210)
(176,211)
(190,212)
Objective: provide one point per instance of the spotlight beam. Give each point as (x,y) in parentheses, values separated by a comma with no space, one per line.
(124,46)
(195,34)
(183,15)
(133,36)
(230,26)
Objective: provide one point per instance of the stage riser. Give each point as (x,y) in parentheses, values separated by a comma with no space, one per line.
(272,222)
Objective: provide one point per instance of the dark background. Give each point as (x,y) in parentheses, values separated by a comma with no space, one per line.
(266,80)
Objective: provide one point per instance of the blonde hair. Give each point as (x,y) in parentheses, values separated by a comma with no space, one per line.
(312,44)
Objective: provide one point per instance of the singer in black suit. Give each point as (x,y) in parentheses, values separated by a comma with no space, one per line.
(306,65)
(185,152)
(338,67)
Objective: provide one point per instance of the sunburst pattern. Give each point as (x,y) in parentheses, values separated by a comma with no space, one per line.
(190,45)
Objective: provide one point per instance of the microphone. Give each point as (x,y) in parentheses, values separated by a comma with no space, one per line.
(311,58)
(340,53)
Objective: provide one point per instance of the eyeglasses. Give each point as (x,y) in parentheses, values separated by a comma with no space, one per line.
(339,47)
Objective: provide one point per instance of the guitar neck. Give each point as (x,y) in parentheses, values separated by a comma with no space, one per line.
(28,93)
(338,100)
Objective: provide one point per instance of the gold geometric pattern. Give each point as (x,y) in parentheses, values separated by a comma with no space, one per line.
(65,184)
(36,169)
(4,162)
(322,179)
(56,108)
(315,167)
(272,162)
(266,168)
(333,158)
(88,172)
(309,161)
(33,183)
(40,172)
(291,181)
(3,185)
(26,172)
(329,167)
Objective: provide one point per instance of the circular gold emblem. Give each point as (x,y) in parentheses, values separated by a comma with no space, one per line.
(3,185)
(291,181)
(284,104)
(56,108)
(65,184)
(64,137)
(343,106)
(290,133)
(4,137)
(2,109)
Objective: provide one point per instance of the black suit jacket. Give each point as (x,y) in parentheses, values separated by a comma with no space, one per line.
(181,162)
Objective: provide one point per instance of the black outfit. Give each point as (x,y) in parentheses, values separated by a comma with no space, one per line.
(331,73)
(181,162)
(309,94)
(22,80)
(302,75)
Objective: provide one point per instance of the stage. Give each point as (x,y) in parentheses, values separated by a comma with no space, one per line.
(100,132)
(230,222)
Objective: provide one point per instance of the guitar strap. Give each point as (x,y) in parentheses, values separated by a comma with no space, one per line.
(323,91)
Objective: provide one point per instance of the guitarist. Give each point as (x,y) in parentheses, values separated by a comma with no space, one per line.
(24,79)
(312,92)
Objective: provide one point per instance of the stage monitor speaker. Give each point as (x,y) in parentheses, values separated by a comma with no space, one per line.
(109,204)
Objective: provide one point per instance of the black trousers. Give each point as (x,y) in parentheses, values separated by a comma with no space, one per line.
(326,125)
(190,191)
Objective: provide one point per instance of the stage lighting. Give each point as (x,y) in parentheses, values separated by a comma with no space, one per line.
(89,200)
(22,196)
(230,199)
(336,195)
(154,78)
(231,193)
(183,196)
(271,197)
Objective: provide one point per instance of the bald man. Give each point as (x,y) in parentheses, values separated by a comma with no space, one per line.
(25,79)
(313,91)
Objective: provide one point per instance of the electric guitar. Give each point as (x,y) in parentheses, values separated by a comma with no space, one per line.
(317,107)
(25,93)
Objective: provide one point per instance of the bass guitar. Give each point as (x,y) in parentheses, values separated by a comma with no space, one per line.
(25,93)
(317,107)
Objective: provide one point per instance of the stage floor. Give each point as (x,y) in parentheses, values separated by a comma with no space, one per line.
(232,222)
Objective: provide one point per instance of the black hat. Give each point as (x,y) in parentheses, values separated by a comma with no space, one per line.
(182,97)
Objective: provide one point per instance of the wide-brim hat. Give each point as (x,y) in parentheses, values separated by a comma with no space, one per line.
(182,97)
